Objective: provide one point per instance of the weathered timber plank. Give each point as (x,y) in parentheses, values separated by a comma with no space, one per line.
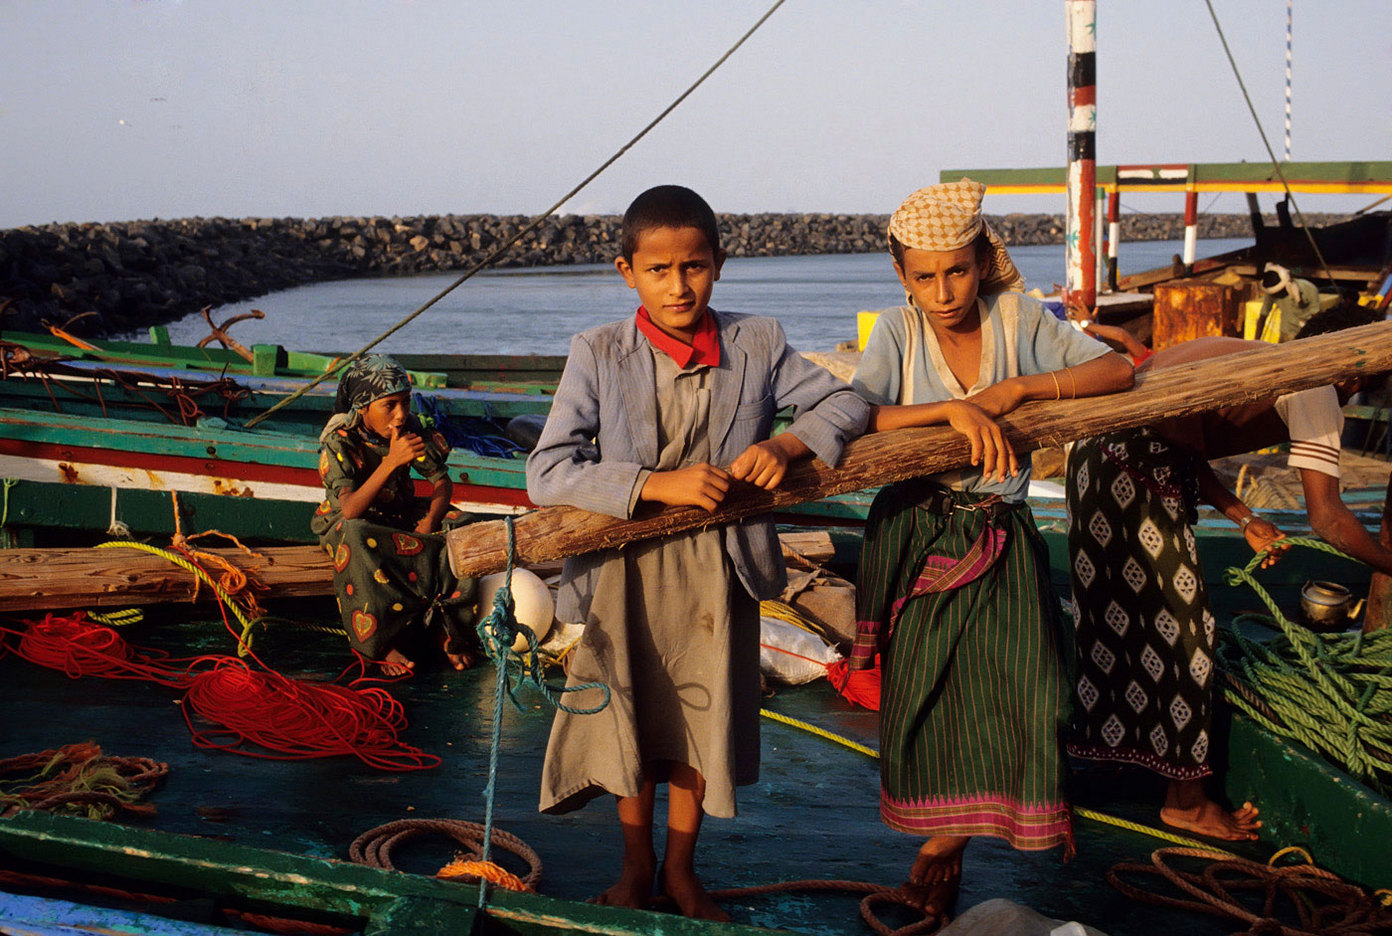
(882,458)
(117,576)
(33,579)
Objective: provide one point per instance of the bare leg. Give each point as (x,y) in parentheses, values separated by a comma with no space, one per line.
(686,794)
(635,883)
(936,876)
(1187,806)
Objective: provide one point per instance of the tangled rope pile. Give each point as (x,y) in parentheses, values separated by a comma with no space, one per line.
(77,779)
(258,712)
(1327,691)
(1321,902)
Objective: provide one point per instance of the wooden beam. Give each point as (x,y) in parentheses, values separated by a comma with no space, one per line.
(882,458)
(33,579)
(122,577)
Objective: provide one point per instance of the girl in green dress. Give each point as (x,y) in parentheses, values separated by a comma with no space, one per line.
(395,590)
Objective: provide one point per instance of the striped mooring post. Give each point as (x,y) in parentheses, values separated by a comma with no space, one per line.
(1080,244)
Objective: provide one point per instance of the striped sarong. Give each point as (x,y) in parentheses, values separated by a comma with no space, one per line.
(1144,634)
(973,691)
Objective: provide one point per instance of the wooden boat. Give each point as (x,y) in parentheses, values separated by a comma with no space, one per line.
(1350,256)
(252,842)
(119,433)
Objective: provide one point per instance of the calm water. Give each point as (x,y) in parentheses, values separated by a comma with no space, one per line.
(535,311)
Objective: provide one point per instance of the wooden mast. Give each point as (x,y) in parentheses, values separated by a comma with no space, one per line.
(1079,244)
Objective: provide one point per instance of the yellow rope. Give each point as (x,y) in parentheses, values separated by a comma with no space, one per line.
(1149,830)
(1085,813)
(244,641)
(821,732)
(118,618)
(787,613)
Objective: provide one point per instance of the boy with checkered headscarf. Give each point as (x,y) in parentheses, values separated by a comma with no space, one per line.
(954,592)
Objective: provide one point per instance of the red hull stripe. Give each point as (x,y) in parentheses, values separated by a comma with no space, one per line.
(245,471)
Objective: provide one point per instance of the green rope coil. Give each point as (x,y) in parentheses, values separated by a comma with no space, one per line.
(1326,691)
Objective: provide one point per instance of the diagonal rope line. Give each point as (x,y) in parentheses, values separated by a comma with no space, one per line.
(1275,164)
(531,226)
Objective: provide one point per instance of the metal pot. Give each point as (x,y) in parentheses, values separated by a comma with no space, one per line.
(1325,605)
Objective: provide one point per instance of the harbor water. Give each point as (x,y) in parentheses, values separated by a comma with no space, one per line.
(536,310)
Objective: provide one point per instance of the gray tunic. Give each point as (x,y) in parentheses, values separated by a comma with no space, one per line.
(675,636)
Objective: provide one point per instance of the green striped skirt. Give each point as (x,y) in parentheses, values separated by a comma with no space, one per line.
(954,592)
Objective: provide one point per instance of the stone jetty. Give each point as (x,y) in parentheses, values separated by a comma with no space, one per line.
(138,273)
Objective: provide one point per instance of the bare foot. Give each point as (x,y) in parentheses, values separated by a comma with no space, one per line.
(397,664)
(460,660)
(633,888)
(1188,807)
(1214,821)
(690,896)
(936,876)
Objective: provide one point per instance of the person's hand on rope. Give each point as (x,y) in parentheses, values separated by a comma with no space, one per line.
(1263,536)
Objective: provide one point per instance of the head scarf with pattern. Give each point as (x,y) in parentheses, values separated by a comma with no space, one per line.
(369,378)
(948,217)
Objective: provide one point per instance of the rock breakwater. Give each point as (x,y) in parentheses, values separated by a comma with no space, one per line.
(139,273)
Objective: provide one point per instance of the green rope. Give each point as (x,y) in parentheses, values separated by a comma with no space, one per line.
(499,630)
(7,538)
(1326,691)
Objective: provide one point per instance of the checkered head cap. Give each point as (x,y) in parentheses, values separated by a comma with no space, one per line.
(948,217)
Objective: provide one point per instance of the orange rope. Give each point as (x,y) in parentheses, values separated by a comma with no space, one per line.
(470,871)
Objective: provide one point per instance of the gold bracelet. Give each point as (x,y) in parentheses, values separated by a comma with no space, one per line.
(1072,384)
(1058,391)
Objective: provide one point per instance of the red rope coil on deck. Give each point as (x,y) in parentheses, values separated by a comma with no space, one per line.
(258,712)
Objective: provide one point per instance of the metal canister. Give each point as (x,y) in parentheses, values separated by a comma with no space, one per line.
(1325,605)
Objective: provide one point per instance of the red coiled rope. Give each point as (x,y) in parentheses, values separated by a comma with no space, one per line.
(291,719)
(296,719)
(79,647)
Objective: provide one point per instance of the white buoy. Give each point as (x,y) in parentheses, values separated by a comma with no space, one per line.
(531,599)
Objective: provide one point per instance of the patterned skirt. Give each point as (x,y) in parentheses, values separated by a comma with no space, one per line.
(395,586)
(1144,631)
(954,591)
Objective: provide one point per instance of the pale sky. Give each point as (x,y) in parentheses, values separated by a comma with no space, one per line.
(126,109)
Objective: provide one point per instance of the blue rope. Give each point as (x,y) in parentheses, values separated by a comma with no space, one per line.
(433,414)
(497,632)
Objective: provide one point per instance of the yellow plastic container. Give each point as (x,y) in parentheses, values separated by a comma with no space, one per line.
(865,321)
(1251,310)
(1271,331)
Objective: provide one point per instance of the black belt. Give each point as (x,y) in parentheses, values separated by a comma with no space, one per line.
(935,498)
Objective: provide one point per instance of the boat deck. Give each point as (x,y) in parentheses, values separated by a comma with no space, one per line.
(812,815)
